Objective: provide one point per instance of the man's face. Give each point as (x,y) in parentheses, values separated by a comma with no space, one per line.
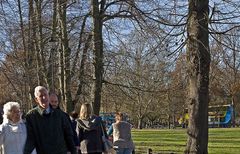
(42,99)
(53,101)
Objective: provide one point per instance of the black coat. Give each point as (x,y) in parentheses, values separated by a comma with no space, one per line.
(49,134)
(90,135)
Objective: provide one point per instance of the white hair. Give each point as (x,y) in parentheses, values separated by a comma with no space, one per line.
(7,110)
(37,89)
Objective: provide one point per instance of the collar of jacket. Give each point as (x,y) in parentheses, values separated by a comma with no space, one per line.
(42,111)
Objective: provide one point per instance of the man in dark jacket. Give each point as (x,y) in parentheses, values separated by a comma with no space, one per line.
(54,102)
(48,129)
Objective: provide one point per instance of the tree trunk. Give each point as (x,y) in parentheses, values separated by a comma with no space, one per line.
(26,64)
(233,113)
(66,56)
(43,79)
(140,120)
(98,56)
(61,79)
(198,59)
(31,51)
(53,51)
(34,41)
(82,70)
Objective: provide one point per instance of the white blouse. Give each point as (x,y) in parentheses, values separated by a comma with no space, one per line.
(13,137)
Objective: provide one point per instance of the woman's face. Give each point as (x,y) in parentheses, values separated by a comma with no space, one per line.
(15,114)
(117,118)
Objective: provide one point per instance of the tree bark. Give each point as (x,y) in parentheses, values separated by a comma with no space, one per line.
(98,55)
(82,70)
(198,60)
(62,7)
(140,120)
(52,69)
(43,79)
(26,68)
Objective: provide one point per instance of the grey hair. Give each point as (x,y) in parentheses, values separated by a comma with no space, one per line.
(37,89)
(7,110)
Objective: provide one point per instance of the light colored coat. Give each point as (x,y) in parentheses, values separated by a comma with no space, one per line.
(122,135)
(13,137)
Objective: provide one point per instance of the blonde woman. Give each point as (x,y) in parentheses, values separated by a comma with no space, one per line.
(89,131)
(13,132)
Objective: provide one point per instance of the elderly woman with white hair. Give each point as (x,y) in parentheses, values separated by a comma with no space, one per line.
(13,132)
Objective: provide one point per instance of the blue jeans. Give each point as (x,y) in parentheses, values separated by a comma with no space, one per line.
(124,150)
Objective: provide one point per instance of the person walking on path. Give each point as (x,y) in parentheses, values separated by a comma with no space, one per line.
(89,131)
(48,129)
(54,102)
(13,131)
(122,139)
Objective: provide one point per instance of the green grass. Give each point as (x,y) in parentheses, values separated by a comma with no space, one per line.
(221,140)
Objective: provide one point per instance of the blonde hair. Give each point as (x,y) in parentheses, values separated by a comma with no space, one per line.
(85,111)
(7,108)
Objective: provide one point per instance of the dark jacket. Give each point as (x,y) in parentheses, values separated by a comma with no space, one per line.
(49,134)
(90,135)
(73,123)
(74,126)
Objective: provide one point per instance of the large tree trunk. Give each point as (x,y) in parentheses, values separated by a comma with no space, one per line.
(198,58)
(98,55)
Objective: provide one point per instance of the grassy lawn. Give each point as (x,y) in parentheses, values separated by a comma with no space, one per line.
(221,140)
